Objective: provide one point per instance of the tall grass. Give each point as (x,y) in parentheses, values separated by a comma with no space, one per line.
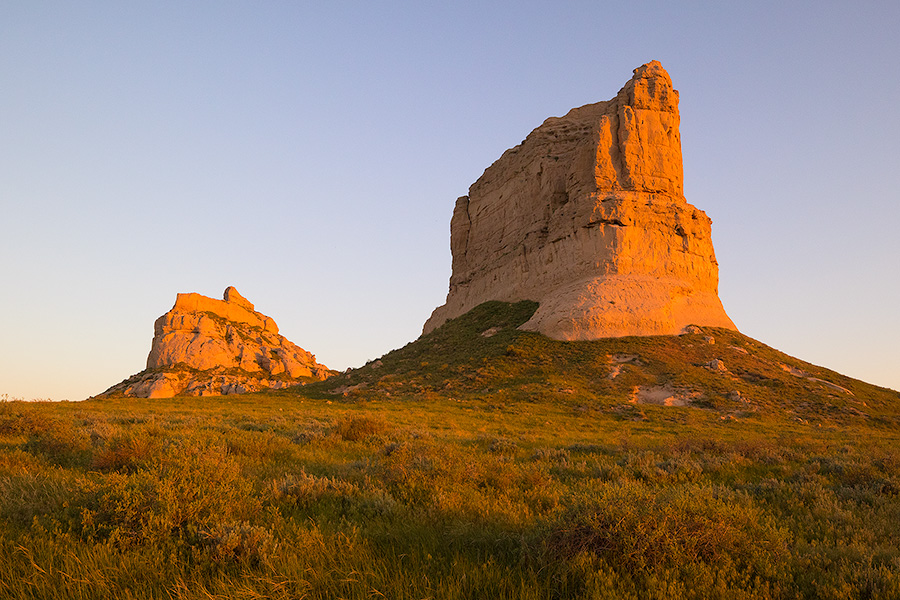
(273,497)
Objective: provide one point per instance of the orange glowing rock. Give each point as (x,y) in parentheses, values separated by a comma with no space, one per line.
(204,333)
(205,346)
(587,217)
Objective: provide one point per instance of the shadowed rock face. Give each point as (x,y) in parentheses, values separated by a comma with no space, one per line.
(205,346)
(587,217)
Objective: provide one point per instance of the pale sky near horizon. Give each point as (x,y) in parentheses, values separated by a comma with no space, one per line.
(310,154)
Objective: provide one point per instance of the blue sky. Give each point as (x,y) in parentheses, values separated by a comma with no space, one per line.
(310,154)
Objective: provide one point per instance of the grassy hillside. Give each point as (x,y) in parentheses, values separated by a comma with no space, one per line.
(482,356)
(476,462)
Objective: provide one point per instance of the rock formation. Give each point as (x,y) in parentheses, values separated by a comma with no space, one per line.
(587,217)
(207,347)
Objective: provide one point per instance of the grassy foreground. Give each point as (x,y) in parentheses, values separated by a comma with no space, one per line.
(464,465)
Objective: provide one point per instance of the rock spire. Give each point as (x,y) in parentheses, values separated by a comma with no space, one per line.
(587,217)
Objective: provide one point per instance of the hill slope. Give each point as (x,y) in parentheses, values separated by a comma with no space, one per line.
(481,355)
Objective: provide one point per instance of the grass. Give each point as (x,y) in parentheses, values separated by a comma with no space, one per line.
(468,466)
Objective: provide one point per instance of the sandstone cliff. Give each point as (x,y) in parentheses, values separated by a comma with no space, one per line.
(205,346)
(587,217)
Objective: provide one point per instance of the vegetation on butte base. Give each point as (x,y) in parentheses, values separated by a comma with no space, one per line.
(478,461)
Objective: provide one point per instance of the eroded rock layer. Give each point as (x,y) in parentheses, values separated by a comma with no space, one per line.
(205,346)
(587,217)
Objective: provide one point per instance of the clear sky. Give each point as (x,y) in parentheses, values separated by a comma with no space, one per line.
(310,153)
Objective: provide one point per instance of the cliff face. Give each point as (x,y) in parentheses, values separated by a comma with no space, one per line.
(204,333)
(587,217)
(205,346)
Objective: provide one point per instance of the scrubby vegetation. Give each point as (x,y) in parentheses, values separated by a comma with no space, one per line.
(464,465)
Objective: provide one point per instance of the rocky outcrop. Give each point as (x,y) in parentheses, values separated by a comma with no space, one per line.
(205,346)
(587,217)
(180,380)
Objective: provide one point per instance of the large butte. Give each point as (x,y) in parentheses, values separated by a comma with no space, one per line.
(587,217)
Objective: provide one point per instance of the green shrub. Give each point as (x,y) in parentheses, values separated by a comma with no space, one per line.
(638,526)
(60,442)
(305,490)
(187,488)
(124,452)
(355,429)
(239,543)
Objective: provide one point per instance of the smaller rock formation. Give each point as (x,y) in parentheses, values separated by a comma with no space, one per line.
(205,346)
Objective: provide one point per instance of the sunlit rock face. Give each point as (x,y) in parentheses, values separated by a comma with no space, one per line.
(205,346)
(587,217)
